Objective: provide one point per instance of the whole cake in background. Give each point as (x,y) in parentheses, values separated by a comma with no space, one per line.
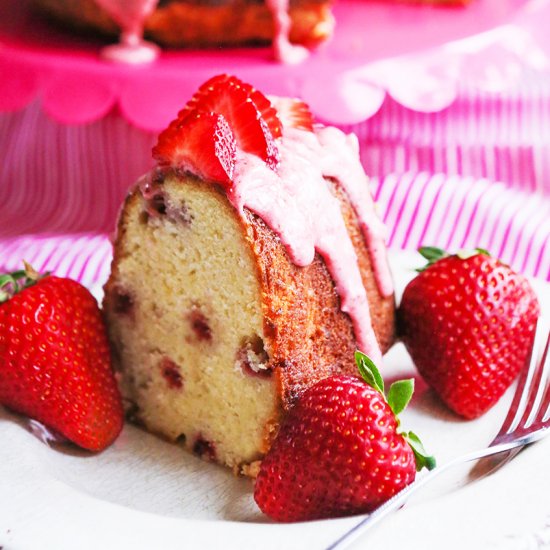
(191,23)
(434,2)
(248,265)
(200,23)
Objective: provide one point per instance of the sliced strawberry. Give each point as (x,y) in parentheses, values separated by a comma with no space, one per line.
(293,112)
(201,143)
(266,109)
(249,113)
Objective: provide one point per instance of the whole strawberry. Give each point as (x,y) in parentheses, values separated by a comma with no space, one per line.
(54,359)
(468,322)
(339,451)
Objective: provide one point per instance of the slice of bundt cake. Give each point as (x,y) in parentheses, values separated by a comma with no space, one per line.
(247,266)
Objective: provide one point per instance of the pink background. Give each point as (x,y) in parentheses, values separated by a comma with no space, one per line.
(456,137)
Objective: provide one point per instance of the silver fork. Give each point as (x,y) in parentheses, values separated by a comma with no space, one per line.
(527,421)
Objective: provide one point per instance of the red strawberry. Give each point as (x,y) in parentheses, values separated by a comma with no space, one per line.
(55,360)
(202,143)
(468,322)
(339,451)
(293,112)
(249,113)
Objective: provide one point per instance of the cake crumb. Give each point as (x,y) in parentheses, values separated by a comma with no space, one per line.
(251,470)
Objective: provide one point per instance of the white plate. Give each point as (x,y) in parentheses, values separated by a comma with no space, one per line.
(144,493)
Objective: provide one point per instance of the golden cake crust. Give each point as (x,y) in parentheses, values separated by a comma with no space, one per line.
(187,23)
(310,337)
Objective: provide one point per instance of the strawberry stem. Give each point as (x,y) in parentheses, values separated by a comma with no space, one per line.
(30,272)
(434,254)
(398,397)
(12,283)
(465,254)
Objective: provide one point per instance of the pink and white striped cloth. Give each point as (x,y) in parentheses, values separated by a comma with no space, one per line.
(419,209)
(477,174)
(84,257)
(502,138)
(456,212)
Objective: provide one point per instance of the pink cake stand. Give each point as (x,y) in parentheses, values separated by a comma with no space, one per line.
(345,81)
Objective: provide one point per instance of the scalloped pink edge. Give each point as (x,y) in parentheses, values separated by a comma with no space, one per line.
(425,82)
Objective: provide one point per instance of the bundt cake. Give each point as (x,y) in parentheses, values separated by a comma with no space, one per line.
(248,265)
(192,23)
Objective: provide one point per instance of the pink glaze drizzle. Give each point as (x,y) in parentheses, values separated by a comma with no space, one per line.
(130,15)
(283,50)
(340,160)
(297,203)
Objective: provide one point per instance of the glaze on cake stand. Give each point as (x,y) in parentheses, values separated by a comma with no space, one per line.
(130,15)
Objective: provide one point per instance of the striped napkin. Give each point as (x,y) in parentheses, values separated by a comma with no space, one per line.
(419,209)
(62,185)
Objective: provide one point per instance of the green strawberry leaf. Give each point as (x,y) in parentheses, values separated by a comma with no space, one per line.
(423,459)
(483,251)
(370,374)
(398,398)
(5,286)
(9,284)
(16,274)
(12,283)
(432,254)
(400,394)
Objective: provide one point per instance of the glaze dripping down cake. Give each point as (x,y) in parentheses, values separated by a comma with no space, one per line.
(248,265)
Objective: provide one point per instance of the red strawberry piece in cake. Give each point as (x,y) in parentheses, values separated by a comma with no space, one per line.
(200,327)
(204,448)
(253,359)
(171,373)
(123,302)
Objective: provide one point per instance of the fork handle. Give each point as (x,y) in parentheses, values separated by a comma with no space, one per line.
(400,498)
(385,509)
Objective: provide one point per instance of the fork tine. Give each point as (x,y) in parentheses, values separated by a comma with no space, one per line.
(538,386)
(522,389)
(546,417)
(543,414)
